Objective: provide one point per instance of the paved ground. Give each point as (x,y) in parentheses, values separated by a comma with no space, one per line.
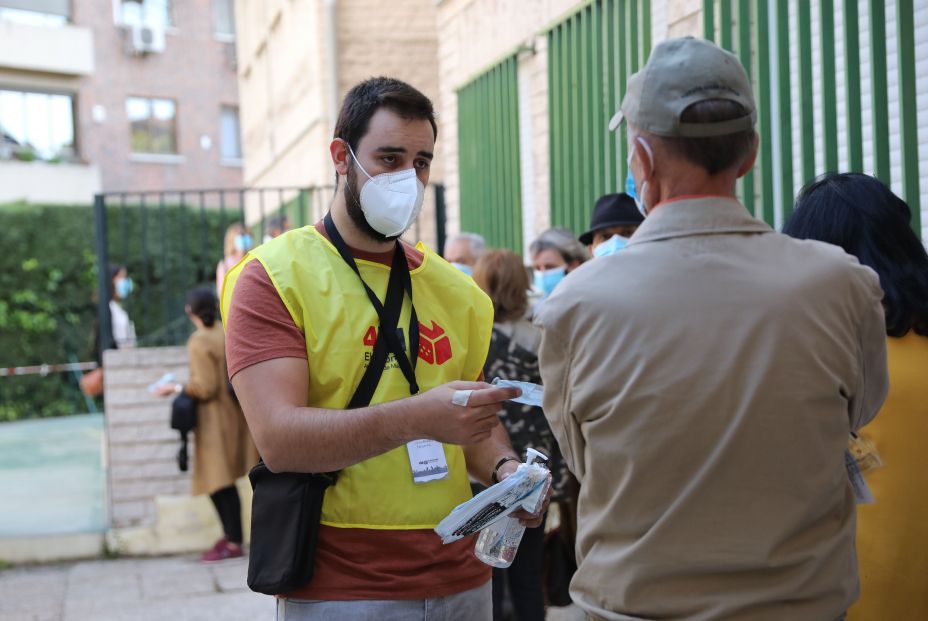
(178,588)
(152,589)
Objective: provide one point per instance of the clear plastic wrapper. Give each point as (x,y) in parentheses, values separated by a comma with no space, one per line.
(524,489)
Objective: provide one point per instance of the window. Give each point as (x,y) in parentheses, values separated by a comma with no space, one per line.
(36,12)
(224,18)
(152,125)
(36,126)
(230,143)
(154,13)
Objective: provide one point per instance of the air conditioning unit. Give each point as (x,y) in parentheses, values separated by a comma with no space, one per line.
(145,39)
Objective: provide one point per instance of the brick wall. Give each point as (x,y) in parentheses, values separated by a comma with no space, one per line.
(196,70)
(141,446)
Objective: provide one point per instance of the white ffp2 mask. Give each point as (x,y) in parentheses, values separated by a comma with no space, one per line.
(390,201)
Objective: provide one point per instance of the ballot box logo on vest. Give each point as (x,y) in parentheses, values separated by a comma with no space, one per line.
(434,344)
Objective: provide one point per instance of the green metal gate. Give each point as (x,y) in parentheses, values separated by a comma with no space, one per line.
(488,144)
(590,58)
(760,32)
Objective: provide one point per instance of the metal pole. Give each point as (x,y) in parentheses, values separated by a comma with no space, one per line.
(440,235)
(104,286)
(302,220)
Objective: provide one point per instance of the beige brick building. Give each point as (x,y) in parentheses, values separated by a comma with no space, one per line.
(297,58)
(116,95)
(527,147)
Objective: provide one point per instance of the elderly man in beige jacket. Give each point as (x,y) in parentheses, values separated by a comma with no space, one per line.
(703,381)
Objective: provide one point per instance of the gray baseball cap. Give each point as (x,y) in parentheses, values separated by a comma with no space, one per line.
(679,73)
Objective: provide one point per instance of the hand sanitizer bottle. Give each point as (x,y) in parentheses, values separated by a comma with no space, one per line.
(498,543)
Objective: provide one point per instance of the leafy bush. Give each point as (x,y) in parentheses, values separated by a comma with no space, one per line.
(48,282)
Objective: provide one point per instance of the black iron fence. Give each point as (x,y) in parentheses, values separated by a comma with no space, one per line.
(172,241)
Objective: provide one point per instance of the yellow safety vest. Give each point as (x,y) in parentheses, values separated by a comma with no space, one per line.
(329,305)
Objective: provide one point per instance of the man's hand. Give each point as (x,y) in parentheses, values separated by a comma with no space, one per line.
(441,419)
(529,520)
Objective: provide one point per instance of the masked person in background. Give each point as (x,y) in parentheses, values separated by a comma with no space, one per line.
(615,219)
(123,327)
(308,313)
(236,243)
(464,250)
(555,253)
(223,450)
(513,355)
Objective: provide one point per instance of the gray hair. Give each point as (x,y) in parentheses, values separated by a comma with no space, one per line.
(563,241)
(477,243)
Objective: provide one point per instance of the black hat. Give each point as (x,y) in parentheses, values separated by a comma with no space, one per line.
(612,210)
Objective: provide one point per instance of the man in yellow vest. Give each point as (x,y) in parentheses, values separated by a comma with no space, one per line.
(303,316)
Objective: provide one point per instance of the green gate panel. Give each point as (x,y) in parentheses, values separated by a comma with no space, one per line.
(770,39)
(488,148)
(591,54)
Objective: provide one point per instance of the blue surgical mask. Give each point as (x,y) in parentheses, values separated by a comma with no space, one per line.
(610,246)
(464,268)
(630,189)
(630,178)
(243,242)
(547,280)
(124,287)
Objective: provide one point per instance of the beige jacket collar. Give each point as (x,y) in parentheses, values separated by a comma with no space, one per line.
(685,217)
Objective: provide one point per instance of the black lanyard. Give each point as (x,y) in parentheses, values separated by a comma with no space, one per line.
(388,338)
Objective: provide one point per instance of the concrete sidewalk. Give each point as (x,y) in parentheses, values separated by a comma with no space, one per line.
(176,588)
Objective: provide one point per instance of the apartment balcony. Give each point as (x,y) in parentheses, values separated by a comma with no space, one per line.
(64,49)
(48,183)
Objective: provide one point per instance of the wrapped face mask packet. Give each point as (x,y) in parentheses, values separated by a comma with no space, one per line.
(532,394)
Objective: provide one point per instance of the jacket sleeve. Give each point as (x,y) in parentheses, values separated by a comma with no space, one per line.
(873,381)
(205,380)
(554,359)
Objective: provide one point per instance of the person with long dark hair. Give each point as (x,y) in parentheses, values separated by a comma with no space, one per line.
(223,449)
(863,216)
(513,355)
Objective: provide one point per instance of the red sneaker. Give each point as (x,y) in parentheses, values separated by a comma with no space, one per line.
(222,551)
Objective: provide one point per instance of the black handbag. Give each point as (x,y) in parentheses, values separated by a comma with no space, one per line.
(184,420)
(287,506)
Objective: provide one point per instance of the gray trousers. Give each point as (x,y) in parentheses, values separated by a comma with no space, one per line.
(473,605)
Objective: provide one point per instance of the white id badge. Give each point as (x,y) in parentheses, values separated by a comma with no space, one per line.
(862,493)
(427,460)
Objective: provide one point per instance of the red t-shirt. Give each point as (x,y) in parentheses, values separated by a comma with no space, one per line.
(351,563)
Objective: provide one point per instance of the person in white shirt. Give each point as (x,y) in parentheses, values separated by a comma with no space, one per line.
(122,327)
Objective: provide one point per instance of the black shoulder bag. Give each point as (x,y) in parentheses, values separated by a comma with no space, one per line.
(184,420)
(287,506)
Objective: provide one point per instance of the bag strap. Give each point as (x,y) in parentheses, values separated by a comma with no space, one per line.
(388,339)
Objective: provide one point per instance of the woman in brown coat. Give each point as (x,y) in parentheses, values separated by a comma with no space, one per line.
(223,449)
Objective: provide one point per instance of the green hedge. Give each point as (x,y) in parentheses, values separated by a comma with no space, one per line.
(48,282)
